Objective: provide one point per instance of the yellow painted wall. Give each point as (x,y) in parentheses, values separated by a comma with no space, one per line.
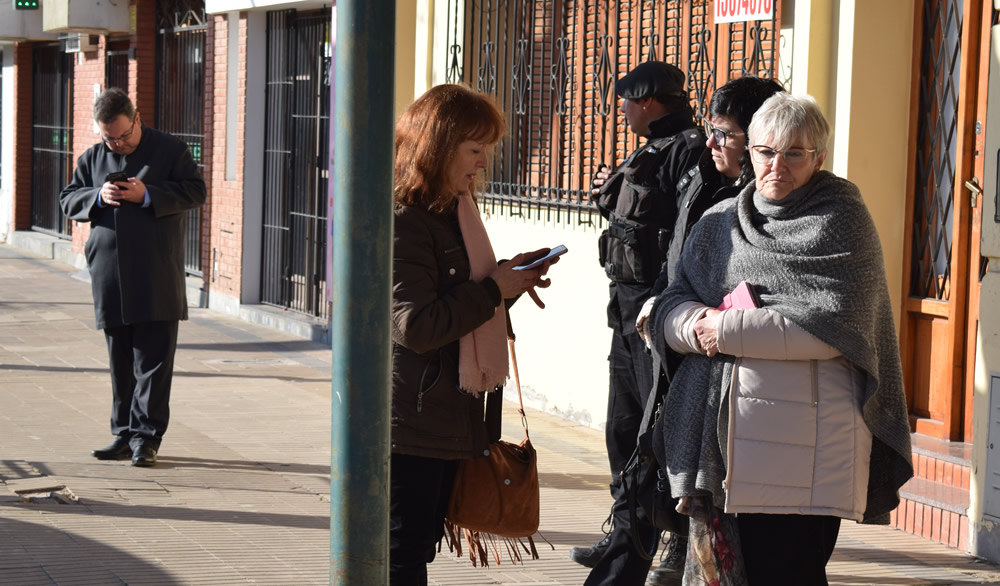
(877,122)
(811,54)
(406,62)
(415,49)
(859,71)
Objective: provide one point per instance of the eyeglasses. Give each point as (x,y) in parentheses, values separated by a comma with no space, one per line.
(764,155)
(719,134)
(124,136)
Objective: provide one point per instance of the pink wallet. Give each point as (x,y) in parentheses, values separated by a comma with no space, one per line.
(744,296)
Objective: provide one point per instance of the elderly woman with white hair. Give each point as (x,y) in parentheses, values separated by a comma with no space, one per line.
(787,413)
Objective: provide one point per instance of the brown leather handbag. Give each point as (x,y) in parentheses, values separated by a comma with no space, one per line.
(494,501)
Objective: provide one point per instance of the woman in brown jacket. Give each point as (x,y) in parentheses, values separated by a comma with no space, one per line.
(448,319)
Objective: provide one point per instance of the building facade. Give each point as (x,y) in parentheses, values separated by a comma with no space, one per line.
(247,85)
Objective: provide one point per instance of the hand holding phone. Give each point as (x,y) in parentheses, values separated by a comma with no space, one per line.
(116,177)
(558,250)
(112,194)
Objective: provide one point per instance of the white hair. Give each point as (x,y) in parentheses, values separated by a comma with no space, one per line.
(786,121)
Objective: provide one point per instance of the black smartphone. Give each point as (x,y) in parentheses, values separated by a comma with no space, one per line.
(116,176)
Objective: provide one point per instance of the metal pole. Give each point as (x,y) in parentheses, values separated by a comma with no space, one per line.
(362,135)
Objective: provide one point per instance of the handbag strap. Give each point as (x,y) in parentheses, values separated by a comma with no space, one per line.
(517,383)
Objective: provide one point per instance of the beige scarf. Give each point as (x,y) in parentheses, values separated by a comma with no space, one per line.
(482,353)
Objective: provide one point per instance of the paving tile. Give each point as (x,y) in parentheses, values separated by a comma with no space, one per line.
(241,494)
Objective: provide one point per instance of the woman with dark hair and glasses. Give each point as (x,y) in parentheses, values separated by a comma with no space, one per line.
(787,413)
(725,166)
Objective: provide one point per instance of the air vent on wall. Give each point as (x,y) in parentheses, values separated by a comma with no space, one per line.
(79,42)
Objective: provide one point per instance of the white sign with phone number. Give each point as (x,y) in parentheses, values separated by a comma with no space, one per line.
(743,10)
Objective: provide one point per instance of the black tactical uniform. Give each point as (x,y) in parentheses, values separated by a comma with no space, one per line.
(639,201)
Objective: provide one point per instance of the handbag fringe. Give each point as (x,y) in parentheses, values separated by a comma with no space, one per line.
(482,546)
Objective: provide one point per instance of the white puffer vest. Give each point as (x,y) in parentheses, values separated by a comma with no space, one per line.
(797,442)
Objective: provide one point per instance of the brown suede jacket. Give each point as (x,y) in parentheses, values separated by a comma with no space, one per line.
(433,304)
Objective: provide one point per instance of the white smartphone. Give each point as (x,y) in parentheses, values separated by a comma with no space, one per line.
(538,261)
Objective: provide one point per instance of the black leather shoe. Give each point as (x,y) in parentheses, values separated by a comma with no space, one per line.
(670,572)
(116,450)
(589,556)
(144,456)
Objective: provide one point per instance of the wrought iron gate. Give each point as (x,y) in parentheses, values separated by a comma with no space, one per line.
(116,60)
(52,137)
(180,94)
(295,161)
(552,65)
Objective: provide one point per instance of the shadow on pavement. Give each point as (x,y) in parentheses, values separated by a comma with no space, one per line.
(177,373)
(254,347)
(168,461)
(171,513)
(51,556)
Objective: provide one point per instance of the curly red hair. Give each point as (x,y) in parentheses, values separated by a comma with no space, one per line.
(427,138)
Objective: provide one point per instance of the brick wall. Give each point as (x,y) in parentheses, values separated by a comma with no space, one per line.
(227,196)
(88,73)
(142,71)
(21,115)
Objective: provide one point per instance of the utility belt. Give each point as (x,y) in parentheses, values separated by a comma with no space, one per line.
(631,252)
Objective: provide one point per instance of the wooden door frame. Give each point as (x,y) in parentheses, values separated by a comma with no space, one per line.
(956,308)
(975,234)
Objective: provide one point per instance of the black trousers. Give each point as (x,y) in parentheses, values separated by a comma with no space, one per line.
(631,369)
(142,368)
(419,489)
(787,550)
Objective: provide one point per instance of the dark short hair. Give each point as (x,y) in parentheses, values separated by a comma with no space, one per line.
(740,99)
(673,103)
(112,103)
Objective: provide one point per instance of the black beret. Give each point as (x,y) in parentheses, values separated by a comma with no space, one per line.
(649,79)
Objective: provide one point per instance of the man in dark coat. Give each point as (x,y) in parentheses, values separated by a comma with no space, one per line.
(639,200)
(135,254)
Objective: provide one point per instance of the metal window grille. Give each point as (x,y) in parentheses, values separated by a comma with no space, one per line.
(52,137)
(296,153)
(551,66)
(180,95)
(116,60)
(937,148)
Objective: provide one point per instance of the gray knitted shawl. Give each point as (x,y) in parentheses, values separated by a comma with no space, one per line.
(816,259)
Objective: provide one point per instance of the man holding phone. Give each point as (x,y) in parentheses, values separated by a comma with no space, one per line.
(134,188)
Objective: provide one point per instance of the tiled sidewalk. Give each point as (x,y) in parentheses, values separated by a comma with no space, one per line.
(241,494)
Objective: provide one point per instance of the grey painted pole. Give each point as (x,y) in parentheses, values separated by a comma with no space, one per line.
(362,289)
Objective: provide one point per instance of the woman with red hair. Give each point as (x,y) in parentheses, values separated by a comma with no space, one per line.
(449,324)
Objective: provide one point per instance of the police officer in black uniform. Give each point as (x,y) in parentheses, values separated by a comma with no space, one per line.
(639,200)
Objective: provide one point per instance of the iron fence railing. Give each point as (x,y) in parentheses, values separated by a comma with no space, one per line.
(296,153)
(116,61)
(52,137)
(551,66)
(180,96)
